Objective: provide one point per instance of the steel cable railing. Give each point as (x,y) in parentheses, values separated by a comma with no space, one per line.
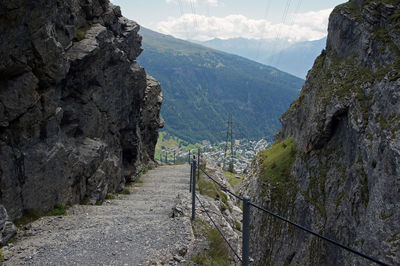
(246,231)
(219,230)
(224,188)
(318,235)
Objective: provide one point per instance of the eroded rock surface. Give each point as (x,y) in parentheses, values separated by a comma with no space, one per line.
(344,181)
(78,116)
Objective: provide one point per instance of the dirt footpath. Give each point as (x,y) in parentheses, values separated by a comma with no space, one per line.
(135,229)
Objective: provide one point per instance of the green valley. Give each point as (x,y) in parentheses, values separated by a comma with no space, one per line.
(201,86)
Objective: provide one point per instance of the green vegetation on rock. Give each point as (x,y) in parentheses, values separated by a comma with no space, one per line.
(126,191)
(110,196)
(59,209)
(218,252)
(32,215)
(232,178)
(275,166)
(213,191)
(81,32)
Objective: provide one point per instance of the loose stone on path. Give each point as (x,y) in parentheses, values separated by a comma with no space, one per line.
(135,229)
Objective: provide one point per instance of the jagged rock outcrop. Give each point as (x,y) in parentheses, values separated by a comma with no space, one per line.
(335,165)
(78,116)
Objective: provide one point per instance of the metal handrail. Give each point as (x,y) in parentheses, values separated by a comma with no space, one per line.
(219,230)
(246,231)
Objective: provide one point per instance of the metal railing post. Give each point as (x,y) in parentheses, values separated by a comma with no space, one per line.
(194,188)
(189,157)
(191,177)
(198,163)
(246,231)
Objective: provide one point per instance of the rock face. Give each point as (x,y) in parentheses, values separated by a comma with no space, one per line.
(78,116)
(7,228)
(335,165)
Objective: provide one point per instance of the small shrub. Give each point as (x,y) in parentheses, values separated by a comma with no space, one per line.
(80,33)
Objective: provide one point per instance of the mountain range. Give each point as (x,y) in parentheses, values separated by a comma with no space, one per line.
(202,86)
(294,58)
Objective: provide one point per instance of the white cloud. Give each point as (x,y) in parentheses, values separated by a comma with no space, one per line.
(176,1)
(303,26)
(210,2)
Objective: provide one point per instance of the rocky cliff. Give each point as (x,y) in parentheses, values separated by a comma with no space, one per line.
(335,164)
(78,115)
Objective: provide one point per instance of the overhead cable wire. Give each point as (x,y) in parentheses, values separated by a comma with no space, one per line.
(182,15)
(192,6)
(278,30)
(265,18)
(290,24)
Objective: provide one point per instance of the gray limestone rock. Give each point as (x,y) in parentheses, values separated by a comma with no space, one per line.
(346,172)
(7,228)
(78,115)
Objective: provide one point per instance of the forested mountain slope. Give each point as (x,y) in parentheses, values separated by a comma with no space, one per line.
(201,86)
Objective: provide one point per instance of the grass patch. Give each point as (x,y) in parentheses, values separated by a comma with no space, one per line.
(32,215)
(126,191)
(81,32)
(275,165)
(59,209)
(1,255)
(212,190)
(28,217)
(233,181)
(110,196)
(144,169)
(200,228)
(218,252)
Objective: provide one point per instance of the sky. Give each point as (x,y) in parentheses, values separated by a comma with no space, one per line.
(201,20)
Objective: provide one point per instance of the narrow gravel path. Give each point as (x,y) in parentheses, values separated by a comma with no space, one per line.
(135,229)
